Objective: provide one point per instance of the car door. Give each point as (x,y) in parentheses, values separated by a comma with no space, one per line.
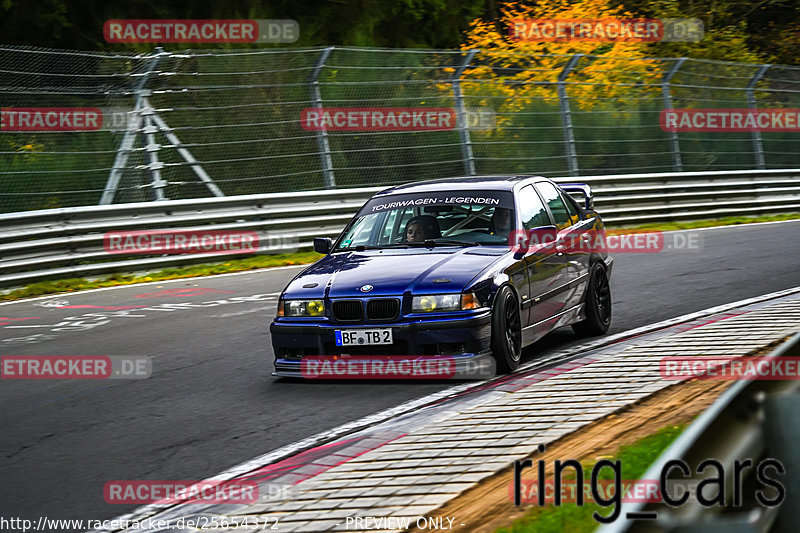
(570,243)
(580,237)
(544,267)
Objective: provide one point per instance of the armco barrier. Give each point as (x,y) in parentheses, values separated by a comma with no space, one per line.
(68,242)
(753,419)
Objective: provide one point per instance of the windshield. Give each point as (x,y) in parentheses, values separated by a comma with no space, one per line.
(474,218)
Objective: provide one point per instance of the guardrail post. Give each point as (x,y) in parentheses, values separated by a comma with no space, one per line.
(566,115)
(322,135)
(675,147)
(758,147)
(461,115)
(152,148)
(131,131)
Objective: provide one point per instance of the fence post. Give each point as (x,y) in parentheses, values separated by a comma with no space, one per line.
(131,131)
(566,115)
(461,115)
(322,135)
(758,147)
(675,147)
(152,148)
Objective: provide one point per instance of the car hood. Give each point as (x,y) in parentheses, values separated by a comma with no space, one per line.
(392,272)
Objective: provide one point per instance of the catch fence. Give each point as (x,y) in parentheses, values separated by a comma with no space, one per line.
(199,123)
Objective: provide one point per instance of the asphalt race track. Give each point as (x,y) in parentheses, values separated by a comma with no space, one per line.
(211,402)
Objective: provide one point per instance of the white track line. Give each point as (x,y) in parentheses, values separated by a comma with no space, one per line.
(729,226)
(185,280)
(257,270)
(412,405)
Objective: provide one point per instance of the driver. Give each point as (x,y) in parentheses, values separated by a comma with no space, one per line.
(415,232)
(422,228)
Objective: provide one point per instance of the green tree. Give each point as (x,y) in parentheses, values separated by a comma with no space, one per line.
(402,23)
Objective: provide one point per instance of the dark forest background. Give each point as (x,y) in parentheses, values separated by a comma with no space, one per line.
(738,30)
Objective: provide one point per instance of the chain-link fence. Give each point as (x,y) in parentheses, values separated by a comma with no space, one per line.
(202,123)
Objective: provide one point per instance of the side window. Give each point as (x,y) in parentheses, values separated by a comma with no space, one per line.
(555,203)
(572,209)
(532,209)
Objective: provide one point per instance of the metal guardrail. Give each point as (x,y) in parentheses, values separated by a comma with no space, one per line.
(182,124)
(68,242)
(752,419)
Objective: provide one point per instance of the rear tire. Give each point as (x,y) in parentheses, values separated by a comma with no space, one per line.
(506,331)
(598,304)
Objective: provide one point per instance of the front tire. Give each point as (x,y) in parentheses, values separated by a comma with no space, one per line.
(597,305)
(506,331)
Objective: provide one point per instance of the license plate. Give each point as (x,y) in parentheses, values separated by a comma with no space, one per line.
(363,337)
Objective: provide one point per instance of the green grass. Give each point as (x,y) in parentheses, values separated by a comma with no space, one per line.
(235,265)
(571,518)
(267,261)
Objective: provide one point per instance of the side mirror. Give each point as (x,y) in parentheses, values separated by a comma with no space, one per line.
(322,245)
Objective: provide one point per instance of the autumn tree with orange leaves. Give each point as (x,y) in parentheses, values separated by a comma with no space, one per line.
(524,70)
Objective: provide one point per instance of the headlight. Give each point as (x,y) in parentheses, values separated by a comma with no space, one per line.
(444,302)
(301,308)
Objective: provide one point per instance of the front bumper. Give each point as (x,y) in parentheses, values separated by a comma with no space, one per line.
(464,339)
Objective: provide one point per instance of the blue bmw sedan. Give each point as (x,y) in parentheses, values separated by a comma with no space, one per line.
(466,268)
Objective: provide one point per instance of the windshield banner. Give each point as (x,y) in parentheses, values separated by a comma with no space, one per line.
(476,198)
